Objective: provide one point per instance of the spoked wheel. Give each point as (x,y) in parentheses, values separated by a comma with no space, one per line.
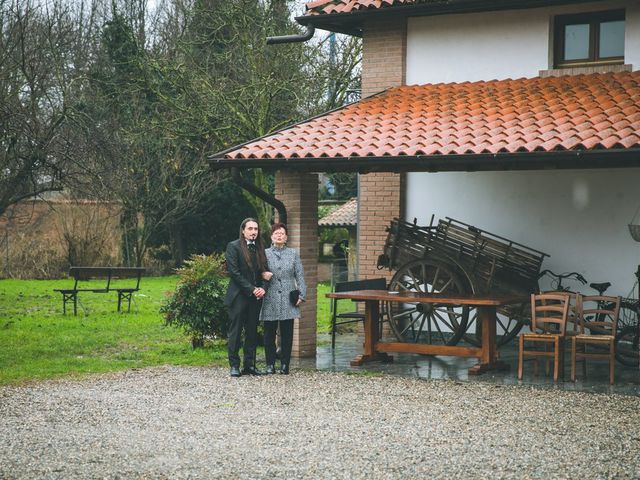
(427,323)
(628,335)
(509,323)
(628,316)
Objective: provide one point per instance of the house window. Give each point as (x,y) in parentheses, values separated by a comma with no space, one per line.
(595,38)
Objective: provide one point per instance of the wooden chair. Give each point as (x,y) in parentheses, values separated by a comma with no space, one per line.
(598,323)
(353,316)
(572,316)
(549,312)
(572,328)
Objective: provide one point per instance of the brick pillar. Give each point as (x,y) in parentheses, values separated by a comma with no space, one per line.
(381,199)
(380,194)
(299,193)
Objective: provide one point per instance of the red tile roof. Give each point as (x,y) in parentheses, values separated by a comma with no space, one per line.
(344,216)
(325,7)
(585,112)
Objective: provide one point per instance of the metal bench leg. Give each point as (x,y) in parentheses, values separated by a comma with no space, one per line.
(68,297)
(76,301)
(333,333)
(128,296)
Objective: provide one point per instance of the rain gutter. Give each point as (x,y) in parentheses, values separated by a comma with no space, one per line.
(566,159)
(310,30)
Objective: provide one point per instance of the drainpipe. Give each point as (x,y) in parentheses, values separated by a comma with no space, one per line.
(293,38)
(261,194)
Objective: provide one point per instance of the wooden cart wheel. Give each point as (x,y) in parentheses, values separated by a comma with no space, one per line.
(427,323)
(510,322)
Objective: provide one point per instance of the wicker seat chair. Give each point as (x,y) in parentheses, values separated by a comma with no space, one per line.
(549,313)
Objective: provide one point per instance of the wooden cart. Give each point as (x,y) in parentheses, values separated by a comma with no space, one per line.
(455,258)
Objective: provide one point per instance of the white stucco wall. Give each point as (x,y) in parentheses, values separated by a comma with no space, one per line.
(578,217)
(497,45)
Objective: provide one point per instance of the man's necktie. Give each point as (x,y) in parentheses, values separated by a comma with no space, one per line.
(253,253)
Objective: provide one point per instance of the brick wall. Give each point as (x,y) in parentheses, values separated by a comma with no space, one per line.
(380,194)
(299,193)
(559,72)
(60,231)
(384,55)
(381,200)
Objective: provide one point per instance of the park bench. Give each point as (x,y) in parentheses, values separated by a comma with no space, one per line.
(86,280)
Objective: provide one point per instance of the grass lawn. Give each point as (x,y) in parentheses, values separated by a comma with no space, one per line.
(37,341)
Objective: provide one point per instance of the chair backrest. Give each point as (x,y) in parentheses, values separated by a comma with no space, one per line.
(549,312)
(598,314)
(573,326)
(368,284)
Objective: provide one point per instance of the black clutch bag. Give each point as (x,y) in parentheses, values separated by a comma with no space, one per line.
(294,296)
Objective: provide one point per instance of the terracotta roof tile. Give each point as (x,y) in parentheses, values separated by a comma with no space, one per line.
(328,7)
(525,115)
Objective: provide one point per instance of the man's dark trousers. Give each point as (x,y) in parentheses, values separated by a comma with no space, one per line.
(243,314)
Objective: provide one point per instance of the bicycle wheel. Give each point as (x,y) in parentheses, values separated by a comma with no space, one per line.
(627,347)
(628,316)
(627,337)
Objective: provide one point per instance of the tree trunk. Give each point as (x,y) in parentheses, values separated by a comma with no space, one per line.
(178,245)
(128,222)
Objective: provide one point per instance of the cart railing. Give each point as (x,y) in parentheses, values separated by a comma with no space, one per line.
(495,263)
(405,242)
(494,260)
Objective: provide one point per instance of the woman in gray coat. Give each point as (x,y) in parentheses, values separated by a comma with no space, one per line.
(284,275)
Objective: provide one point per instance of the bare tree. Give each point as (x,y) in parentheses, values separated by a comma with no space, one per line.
(109,99)
(32,106)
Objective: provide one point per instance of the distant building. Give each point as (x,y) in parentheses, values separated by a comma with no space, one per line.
(345,216)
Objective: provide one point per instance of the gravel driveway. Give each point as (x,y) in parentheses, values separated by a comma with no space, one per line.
(187,422)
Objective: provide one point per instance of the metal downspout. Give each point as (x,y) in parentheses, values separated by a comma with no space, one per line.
(261,194)
(293,38)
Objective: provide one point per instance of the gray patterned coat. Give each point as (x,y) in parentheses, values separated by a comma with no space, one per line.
(288,275)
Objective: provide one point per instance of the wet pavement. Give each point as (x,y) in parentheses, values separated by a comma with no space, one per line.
(456,368)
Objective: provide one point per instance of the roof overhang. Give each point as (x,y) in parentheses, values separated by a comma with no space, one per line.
(572,122)
(351,23)
(574,159)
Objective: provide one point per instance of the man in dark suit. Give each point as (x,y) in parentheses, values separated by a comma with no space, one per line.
(246,261)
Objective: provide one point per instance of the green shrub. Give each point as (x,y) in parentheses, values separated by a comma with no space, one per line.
(197,305)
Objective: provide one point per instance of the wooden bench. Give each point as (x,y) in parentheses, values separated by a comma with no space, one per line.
(83,275)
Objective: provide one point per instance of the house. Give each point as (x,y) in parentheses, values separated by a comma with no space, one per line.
(519,116)
(344,264)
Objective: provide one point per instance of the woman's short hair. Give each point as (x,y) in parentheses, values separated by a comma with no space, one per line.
(278,226)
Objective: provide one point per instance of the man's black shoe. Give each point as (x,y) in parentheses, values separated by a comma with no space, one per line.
(270,370)
(251,371)
(235,372)
(284,369)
